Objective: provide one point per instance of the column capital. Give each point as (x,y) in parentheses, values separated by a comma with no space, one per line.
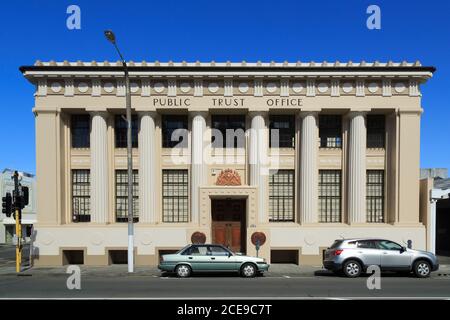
(359,112)
(257,113)
(312,112)
(102,113)
(150,113)
(193,114)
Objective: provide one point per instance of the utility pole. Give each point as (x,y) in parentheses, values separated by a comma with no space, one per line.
(18,217)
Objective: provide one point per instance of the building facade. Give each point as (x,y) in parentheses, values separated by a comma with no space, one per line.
(8,224)
(294,154)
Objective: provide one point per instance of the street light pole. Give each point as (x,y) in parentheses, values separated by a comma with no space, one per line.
(111,38)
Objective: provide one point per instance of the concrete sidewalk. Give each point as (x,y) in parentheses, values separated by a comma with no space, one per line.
(276,270)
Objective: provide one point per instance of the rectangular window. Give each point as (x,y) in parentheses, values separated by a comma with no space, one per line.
(120,130)
(281,195)
(329,195)
(376,131)
(330,131)
(122,196)
(175,195)
(171,135)
(285,124)
(80,130)
(228,131)
(375,196)
(81,196)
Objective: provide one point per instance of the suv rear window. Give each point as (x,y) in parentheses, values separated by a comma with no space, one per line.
(336,244)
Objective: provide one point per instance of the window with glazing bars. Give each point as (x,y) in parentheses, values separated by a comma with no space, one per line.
(376,131)
(375,196)
(329,196)
(120,130)
(80,125)
(330,131)
(233,125)
(170,137)
(81,196)
(122,196)
(285,124)
(281,195)
(175,195)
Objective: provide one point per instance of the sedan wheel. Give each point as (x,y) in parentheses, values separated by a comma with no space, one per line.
(183,271)
(422,269)
(248,270)
(352,269)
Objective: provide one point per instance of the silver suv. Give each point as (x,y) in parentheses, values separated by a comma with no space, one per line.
(352,257)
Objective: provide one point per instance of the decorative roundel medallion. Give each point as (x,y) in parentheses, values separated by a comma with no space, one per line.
(158,87)
(243,87)
(213,87)
(56,87)
(134,87)
(108,87)
(83,87)
(198,238)
(297,87)
(372,87)
(185,87)
(322,87)
(347,87)
(271,87)
(97,239)
(258,238)
(400,87)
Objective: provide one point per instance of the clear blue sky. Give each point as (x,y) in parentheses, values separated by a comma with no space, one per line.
(222,30)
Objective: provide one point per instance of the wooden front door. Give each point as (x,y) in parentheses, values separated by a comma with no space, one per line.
(228,224)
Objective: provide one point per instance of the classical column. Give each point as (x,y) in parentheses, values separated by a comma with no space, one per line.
(308,187)
(99,168)
(147,168)
(257,162)
(198,165)
(357,168)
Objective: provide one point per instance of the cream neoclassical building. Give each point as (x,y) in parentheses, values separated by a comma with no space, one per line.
(302,152)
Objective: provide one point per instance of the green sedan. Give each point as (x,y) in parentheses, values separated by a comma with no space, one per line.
(211,258)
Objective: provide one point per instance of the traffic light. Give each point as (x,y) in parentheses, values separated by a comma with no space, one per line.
(7,204)
(25,197)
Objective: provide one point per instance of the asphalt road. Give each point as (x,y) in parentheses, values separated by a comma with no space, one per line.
(326,286)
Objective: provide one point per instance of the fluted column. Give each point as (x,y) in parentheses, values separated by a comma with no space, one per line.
(257,161)
(308,187)
(147,168)
(357,168)
(99,168)
(198,165)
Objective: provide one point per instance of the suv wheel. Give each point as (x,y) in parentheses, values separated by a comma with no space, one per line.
(183,271)
(248,270)
(352,268)
(422,269)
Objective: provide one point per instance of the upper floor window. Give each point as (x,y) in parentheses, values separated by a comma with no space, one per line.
(174,131)
(175,190)
(122,196)
(330,131)
(281,195)
(330,196)
(120,129)
(375,196)
(80,129)
(81,195)
(376,131)
(285,124)
(228,131)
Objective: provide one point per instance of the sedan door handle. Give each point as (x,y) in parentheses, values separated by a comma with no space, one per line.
(190,258)
(212,258)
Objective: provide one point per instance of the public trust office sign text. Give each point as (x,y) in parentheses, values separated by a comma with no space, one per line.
(165,102)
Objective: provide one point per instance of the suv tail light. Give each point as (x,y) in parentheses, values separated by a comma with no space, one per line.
(337,252)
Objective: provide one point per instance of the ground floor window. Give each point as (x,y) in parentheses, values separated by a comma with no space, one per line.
(81,195)
(281,195)
(122,196)
(375,196)
(175,195)
(330,196)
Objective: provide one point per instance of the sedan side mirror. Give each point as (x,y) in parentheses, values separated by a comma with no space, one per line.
(403,249)
(229,254)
